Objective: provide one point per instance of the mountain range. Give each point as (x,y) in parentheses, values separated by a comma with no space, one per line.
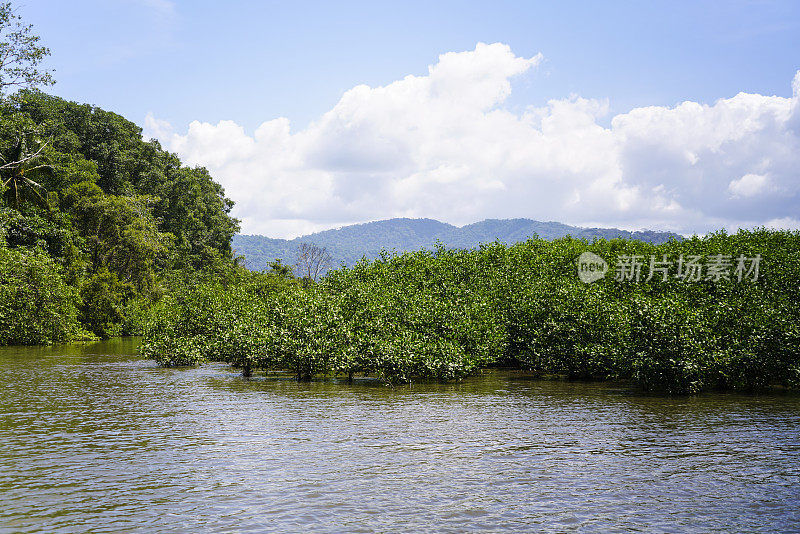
(349,244)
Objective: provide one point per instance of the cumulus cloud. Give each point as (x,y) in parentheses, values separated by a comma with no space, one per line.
(749,185)
(443,146)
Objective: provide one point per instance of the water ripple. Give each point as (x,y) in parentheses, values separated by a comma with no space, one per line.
(96,439)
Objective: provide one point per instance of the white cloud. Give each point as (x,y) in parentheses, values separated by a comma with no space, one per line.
(157,128)
(784,223)
(442,146)
(749,185)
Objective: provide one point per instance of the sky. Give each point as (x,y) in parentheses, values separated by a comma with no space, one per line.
(681,116)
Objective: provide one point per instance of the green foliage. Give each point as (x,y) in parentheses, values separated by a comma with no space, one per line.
(135,313)
(22,169)
(36,304)
(199,319)
(103,298)
(194,209)
(278,268)
(121,235)
(50,230)
(102,220)
(93,146)
(444,314)
(117,215)
(20,52)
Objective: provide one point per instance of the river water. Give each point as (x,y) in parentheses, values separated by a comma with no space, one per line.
(96,439)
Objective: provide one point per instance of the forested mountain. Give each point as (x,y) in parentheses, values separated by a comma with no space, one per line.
(94,219)
(350,243)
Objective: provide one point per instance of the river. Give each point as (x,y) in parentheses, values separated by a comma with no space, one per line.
(96,439)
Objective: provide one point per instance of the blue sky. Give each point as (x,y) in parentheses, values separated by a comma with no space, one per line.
(252,61)
(255,62)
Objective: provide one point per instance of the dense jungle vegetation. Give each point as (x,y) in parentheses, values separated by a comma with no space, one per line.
(103,233)
(95,222)
(446,313)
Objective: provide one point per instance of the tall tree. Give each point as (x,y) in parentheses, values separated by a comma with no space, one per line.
(20,53)
(20,162)
(122,236)
(89,144)
(312,260)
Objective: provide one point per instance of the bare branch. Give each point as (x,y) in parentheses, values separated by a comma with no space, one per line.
(25,159)
(312,261)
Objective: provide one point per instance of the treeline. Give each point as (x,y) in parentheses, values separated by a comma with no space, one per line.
(445,314)
(95,222)
(349,244)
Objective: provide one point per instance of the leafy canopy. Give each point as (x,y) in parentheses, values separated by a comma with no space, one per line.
(20,53)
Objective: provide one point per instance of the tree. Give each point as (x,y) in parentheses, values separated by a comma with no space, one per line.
(20,53)
(312,260)
(94,208)
(90,144)
(20,165)
(103,298)
(194,209)
(278,268)
(122,235)
(37,306)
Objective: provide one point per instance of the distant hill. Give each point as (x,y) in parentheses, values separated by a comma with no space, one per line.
(350,243)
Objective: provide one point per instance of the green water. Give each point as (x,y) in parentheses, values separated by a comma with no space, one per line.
(96,439)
